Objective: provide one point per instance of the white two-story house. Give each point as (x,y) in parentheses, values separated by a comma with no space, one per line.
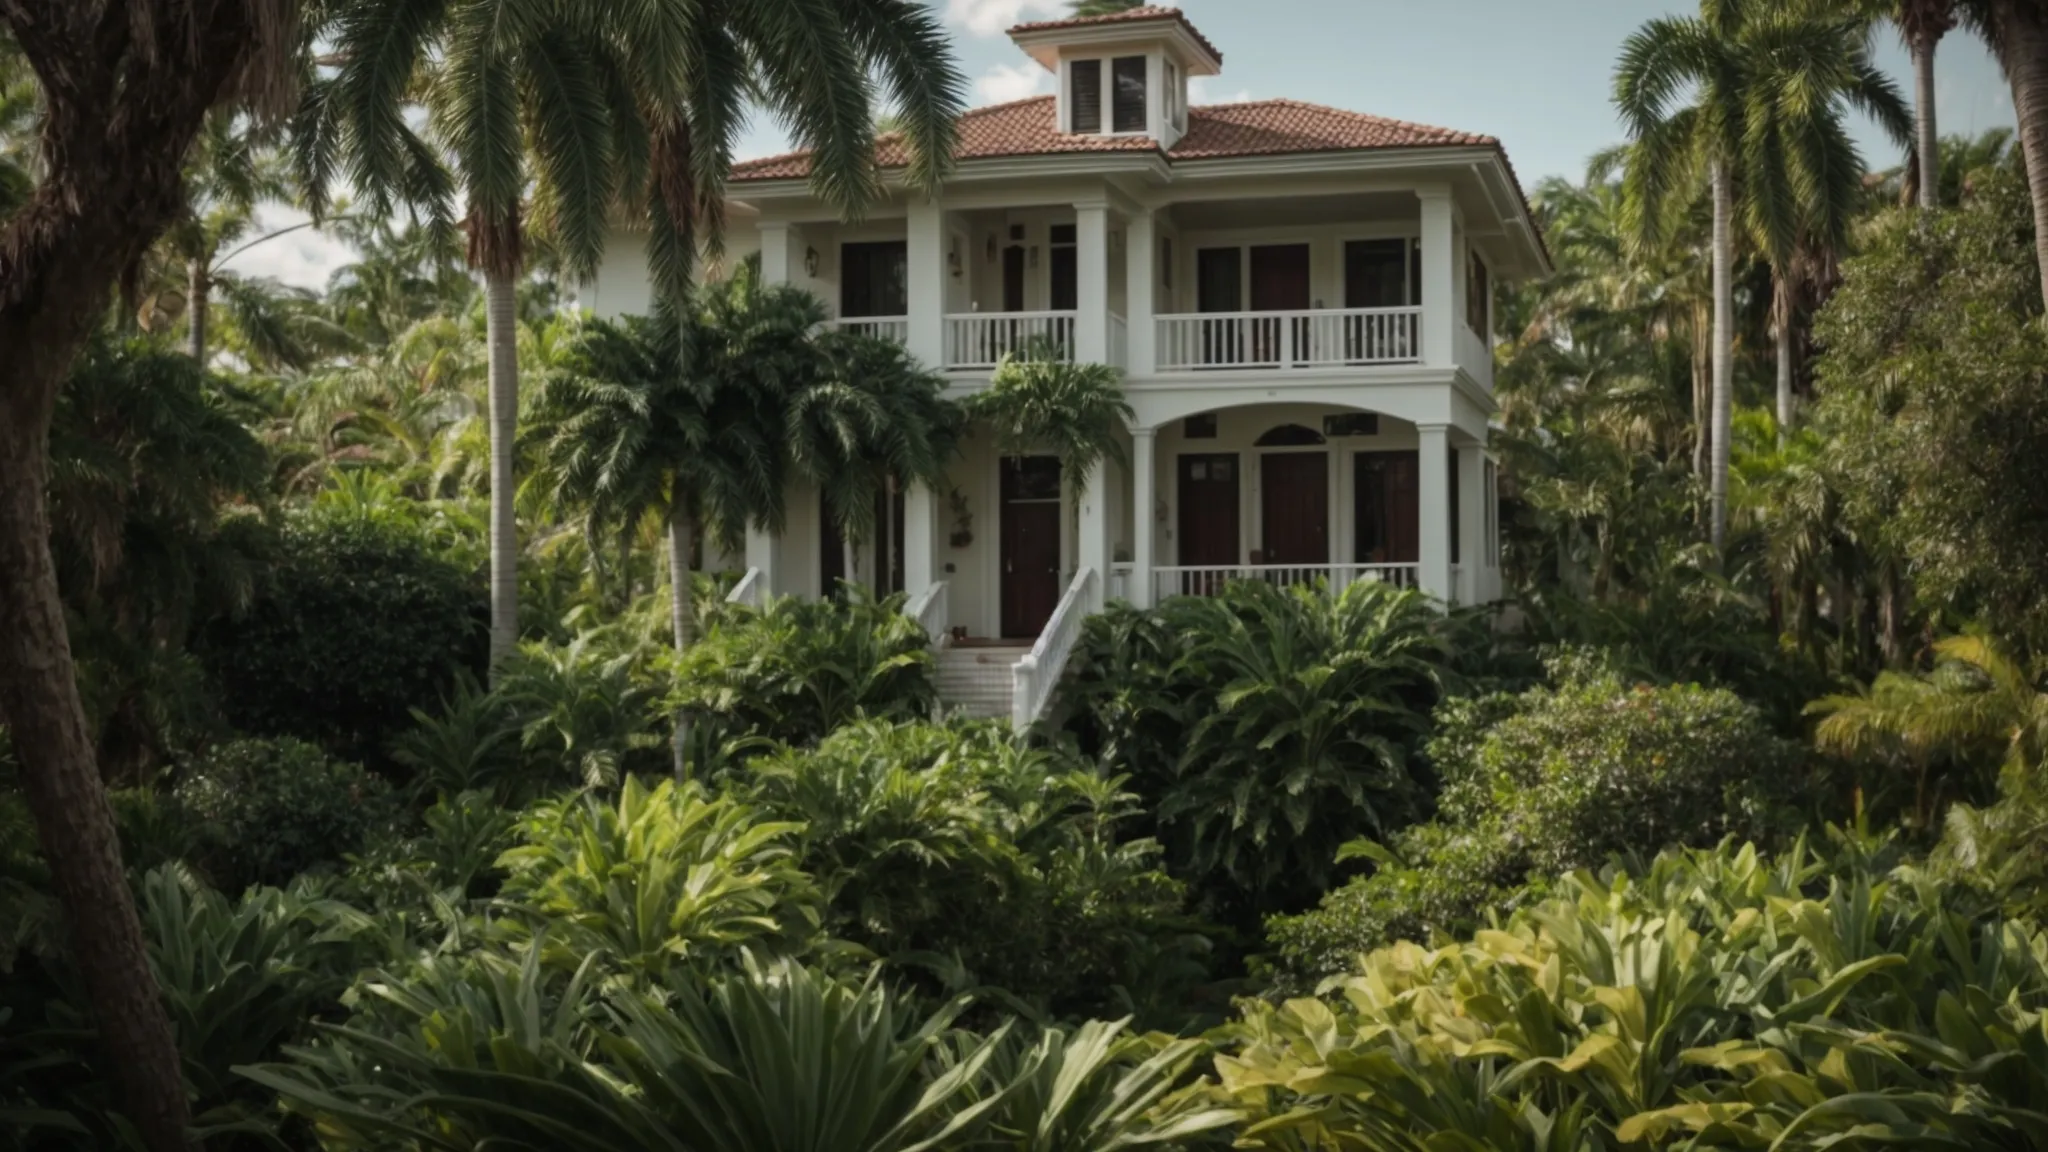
(1300,299)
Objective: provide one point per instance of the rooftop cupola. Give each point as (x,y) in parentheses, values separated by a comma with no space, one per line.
(1124,74)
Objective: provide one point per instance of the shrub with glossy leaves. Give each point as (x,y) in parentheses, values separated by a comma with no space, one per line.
(265,811)
(1716,999)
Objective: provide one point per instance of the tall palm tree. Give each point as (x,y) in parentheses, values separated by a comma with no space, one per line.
(586,105)
(229,173)
(2017,31)
(1762,130)
(1056,406)
(124,92)
(875,421)
(1922,23)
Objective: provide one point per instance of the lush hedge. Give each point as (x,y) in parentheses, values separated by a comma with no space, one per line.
(1558,778)
(265,811)
(358,621)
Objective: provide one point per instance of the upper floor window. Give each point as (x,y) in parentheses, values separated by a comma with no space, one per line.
(1478,293)
(1084,96)
(1127,105)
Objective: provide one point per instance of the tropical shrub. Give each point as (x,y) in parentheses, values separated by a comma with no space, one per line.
(586,714)
(486,1052)
(1264,728)
(264,811)
(1558,778)
(794,670)
(660,876)
(982,863)
(1719,998)
(358,621)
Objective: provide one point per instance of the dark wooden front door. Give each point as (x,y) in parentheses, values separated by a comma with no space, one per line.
(1013,278)
(1030,544)
(1207,495)
(1294,496)
(1279,284)
(1388,508)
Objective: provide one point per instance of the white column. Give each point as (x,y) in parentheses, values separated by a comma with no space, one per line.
(1440,315)
(1144,474)
(1091,253)
(1435,512)
(1091,547)
(1472,525)
(925,253)
(1141,278)
(920,531)
(764,551)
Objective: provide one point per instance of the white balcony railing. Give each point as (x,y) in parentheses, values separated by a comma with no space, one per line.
(982,339)
(895,328)
(1324,338)
(1207,580)
(1035,676)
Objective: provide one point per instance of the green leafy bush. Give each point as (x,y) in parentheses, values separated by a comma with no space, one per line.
(660,876)
(1555,779)
(358,621)
(986,863)
(264,811)
(1264,728)
(794,670)
(1716,999)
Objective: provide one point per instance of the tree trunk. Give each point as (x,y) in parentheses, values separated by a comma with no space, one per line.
(1702,390)
(125,91)
(502,336)
(2022,34)
(850,557)
(682,618)
(1926,138)
(1784,306)
(1724,349)
(197,288)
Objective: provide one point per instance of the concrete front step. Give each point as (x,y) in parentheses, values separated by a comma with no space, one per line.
(978,680)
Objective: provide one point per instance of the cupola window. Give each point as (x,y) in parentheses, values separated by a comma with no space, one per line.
(1084,97)
(1127,112)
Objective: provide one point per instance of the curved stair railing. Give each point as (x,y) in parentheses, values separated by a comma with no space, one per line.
(929,609)
(748,591)
(1039,671)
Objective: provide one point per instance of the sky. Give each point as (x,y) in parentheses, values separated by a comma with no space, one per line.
(1535,73)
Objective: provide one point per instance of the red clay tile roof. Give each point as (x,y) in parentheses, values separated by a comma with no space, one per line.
(1129,16)
(1215,131)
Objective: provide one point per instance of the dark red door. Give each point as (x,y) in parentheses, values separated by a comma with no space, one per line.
(1279,284)
(1389,501)
(1030,543)
(1207,495)
(1294,495)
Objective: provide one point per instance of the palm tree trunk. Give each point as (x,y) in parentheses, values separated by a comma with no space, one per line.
(1702,390)
(681,617)
(1927,141)
(1724,348)
(1783,325)
(2022,34)
(850,557)
(502,336)
(197,289)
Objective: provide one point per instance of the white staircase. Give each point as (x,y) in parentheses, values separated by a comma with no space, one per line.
(979,680)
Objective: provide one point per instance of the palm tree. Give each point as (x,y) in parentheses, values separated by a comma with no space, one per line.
(122,101)
(1922,23)
(1767,85)
(2017,31)
(227,176)
(587,105)
(875,421)
(1058,407)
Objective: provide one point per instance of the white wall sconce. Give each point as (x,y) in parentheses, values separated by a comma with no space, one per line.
(811,262)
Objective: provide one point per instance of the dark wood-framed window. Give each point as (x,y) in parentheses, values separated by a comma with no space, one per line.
(1127,94)
(1063,291)
(1478,294)
(874,278)
(1084,96)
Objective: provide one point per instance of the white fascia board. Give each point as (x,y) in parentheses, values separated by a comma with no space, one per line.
(1045,46)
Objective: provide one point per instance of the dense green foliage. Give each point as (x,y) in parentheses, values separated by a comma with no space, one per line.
(358,620)
(264,811)
(1264,727)
(1555,779)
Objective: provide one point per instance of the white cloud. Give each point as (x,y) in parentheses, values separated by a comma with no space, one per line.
(992,17)
(1006,82)
(1198,92)
(304,258)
